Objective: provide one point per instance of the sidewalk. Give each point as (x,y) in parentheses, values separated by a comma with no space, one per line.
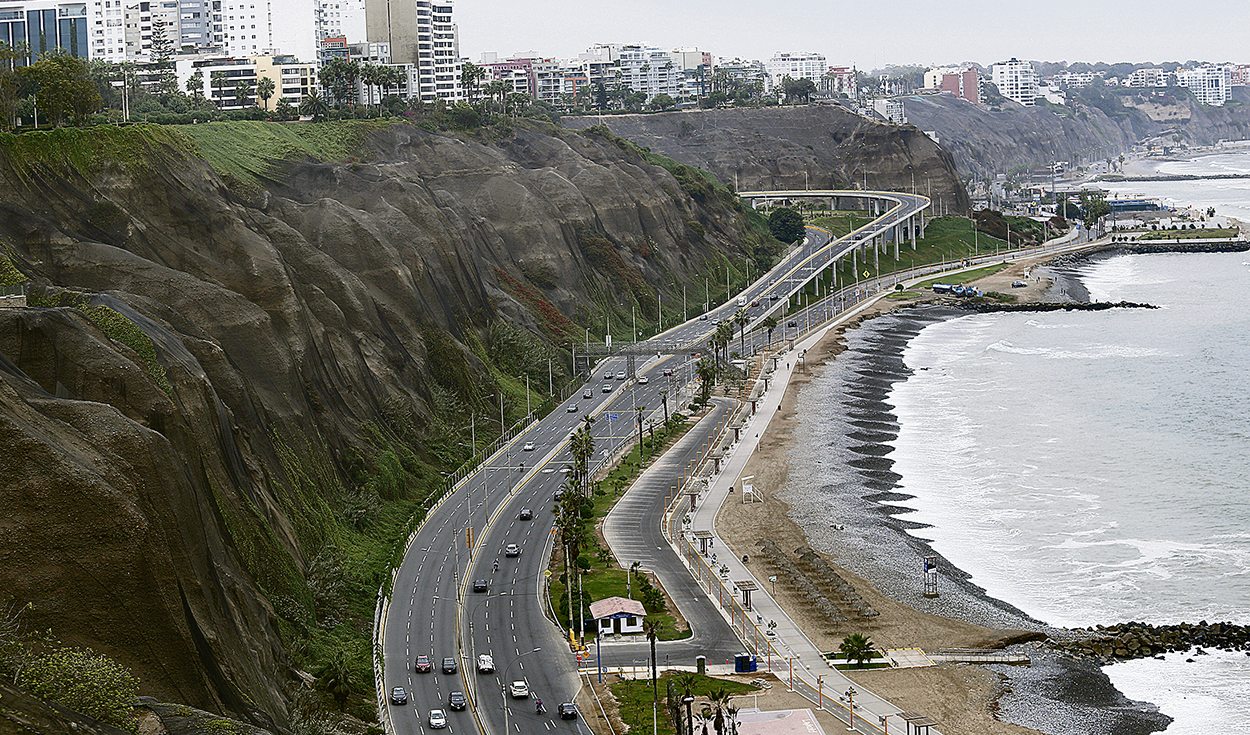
(791,656)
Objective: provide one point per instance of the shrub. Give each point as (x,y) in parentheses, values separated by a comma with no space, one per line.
(86,681)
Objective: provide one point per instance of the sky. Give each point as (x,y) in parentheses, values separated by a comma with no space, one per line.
(867,34)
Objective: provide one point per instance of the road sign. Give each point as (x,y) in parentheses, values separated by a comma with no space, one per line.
(613,416)
(547,573)
(866,274)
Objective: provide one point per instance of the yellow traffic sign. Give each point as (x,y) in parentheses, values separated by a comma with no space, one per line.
(866,274)
(547,573)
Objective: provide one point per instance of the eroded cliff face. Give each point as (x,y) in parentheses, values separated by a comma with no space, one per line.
(813,146)
(985,142)
(152,507)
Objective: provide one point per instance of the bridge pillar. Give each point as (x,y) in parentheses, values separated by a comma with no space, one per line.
(876,259)
(898,235)
(855,259)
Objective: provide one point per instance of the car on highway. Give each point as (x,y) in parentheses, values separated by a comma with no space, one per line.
(423,664)
(607,375)
(399,696)
(572,408)
(620,375)
(793,325)
(607,387)
(485,664)
(643,380)
(437,719)
(703,317)
(525,515)
(588,393)
(480,585)
(449,665)
(742,301)
(512,550)
(567,711)
(668,372)
(457,701)
(529,447)
(519,690)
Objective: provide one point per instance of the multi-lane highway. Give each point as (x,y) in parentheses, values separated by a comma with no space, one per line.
(434,609)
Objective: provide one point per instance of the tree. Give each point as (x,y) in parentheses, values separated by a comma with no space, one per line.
(242,90)
(741,319)
(651,628)
(162,46)
(470,75)
(707,376)
(64,87)
(265,88)
(1093,206)
(11,82)
(797,90)
(335,675)
(285,110)
(786,224)
(857,647)
(770,323)
(601,97)
(195,84)
(314,105)
(217,80)
(496,90)
(661,101)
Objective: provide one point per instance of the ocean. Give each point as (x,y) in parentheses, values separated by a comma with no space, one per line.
(1081,468)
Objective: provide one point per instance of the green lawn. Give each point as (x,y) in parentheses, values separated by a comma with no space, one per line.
(962,277)
(1213,234)
(635,699)
(839,223)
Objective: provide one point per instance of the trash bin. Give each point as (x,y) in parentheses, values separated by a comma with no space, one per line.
(742,663)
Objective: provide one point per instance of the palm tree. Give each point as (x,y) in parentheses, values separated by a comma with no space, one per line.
(770,323)
(724,335)
(265,88)
(217,80)
(741,319)
(470,75)
(664,400)
(314,105)
(242,90)
(639,410)
(707,375)
(195,84)
(857,646)
(651,628)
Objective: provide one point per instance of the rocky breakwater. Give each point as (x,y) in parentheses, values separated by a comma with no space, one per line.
(985,307)
(1132,640)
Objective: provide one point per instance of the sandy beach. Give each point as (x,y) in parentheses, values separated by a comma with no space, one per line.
(961,697)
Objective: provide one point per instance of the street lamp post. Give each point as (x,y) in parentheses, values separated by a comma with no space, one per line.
(820,694)
(850,706)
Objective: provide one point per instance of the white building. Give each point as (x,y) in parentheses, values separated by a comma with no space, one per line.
(1209,84)
(341,19)
(1148,78)
(802,65)
(891,110)
(292,78)
(1016,80)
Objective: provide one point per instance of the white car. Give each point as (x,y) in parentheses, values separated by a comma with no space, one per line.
(572,408)
(519,690)
(438,719)
(512,550)
(529,447)
(620,375)
(485,664)
(643,380)
(703,317)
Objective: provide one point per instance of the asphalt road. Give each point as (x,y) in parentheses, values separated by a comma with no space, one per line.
(432,592)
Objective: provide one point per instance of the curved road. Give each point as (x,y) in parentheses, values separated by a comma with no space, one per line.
(433,610)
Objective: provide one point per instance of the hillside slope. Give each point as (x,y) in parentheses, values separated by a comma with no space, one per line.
(216,375)
(812,147)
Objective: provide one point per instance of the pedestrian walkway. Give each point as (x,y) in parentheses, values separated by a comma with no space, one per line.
(778,642)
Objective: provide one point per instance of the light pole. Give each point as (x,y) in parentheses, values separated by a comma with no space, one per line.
(790,661)
(820,694)
(850,707)
(473,641)
(503,693)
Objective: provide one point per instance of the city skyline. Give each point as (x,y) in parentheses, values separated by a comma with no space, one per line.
(1061,30)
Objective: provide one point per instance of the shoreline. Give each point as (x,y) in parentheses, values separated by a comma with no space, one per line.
(876,548)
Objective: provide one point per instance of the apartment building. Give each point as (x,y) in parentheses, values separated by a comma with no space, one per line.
(891,110)
(420,32)
(292,78)
(963,82)
(1208,84)
(802,65)
(1016,80)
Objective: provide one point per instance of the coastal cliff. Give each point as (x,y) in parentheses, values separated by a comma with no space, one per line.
(250,350)
(807,147)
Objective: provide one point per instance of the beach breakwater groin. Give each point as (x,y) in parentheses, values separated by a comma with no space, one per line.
(1132,640)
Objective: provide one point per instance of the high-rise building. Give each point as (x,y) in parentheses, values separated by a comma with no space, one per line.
(420,32)
(964,83)
(1016,80)
(1208,84)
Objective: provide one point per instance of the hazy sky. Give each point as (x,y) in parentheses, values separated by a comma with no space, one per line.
(869,34)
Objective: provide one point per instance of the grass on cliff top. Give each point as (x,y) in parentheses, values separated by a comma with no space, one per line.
(86,150)
(634,697)
(246,150)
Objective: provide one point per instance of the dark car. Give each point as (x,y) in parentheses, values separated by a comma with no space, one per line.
(449,665)
(457,701)
(423,664)
(399,696)
(480,585)
(526,514)
(668,372)
(568,711)
(792,325)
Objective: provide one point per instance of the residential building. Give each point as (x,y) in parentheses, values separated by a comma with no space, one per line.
(341,18)
(744,73)
(1208,84)
(648,69)
(963,82)
(1238,75)
(518,73)
(1073,80)
(292,78)
(1149,78)
(802,65)
(1016,80)
(891,110)
(838,81)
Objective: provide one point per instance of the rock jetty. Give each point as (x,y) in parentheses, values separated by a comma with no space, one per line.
(989,306)
(1132,640)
